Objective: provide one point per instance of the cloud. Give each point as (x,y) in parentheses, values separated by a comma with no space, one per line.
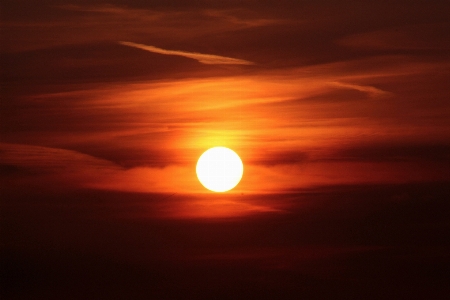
(208,59)
(39,166)
(373,91)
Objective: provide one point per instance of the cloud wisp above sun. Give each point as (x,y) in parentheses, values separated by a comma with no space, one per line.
(209,59)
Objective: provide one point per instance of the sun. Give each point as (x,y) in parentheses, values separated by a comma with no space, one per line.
(219,169)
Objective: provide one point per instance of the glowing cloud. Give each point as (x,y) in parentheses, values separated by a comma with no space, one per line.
(208,59)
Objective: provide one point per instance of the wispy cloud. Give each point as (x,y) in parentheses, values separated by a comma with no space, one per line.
(373,91)
(208,59)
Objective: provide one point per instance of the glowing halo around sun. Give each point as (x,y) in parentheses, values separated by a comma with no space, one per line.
(219,169)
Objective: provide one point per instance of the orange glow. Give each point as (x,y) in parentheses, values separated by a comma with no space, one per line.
(294,127)
(217,206)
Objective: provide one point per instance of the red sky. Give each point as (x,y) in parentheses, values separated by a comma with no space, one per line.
(123,97)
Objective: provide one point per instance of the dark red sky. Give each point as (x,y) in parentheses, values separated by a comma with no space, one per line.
(339,110)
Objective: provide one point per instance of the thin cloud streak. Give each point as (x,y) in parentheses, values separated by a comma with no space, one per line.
(373,91)
(208,59)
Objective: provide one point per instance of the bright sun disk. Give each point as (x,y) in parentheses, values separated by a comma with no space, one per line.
(219,169)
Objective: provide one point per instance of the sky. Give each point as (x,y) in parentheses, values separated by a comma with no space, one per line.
(107,105)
